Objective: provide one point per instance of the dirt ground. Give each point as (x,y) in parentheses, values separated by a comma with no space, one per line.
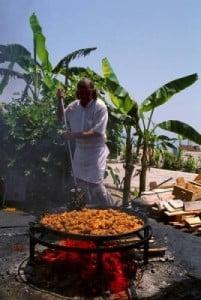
(176,275)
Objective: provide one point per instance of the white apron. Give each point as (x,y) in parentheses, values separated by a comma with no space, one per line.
(89,163)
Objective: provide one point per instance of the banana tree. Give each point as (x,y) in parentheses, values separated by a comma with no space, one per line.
(159,97)
(125,109)
(134,118)
(32,134)
(38,72)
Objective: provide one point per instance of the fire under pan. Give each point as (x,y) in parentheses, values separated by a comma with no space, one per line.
(121,243)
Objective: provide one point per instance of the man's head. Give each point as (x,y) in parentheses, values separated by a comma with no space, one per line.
(86,91)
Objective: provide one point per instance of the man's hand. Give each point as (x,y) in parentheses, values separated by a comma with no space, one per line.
(60,94)
(70,135)
(80,135)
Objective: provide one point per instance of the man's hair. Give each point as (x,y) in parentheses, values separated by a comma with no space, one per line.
(87,82)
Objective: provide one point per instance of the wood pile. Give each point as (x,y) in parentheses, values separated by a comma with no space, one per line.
(183,209)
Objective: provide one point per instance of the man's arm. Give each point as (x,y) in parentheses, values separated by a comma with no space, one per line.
(98,128)
(80,135)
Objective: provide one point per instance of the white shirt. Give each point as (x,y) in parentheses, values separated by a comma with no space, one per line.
(90,155)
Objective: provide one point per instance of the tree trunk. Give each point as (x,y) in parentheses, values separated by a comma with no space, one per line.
(129,167)
(143,172)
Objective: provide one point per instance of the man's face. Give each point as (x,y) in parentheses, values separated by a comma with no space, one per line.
(85,94)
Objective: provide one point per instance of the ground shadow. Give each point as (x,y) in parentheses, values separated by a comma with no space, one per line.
(186,289)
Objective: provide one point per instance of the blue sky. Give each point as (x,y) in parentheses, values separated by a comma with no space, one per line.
(148,43)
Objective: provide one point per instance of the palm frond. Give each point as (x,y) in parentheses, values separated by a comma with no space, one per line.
(73,55)
(14,74)
(73,71)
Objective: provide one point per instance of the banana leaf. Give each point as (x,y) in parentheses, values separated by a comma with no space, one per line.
(14,74)
(52,83)
(181,128)
(5,78)
(72,71)
(164,93)
(39,41)
(73,55)
(119,96)
(123,118)
(170,145)
(16,53)
(166,138)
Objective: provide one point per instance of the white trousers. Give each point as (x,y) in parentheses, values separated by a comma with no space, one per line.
(96,195)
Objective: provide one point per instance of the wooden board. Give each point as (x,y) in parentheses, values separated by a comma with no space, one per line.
(195,225)
(185,194)
(176,203)
(193,187)
(192,205)
(196,183)
(168,207)
(181,212)
(198,178)
(180,181)
(193,220)
(177,224)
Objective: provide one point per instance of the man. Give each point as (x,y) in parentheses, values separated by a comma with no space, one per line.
(87,117)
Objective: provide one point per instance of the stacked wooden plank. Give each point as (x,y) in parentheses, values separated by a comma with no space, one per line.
(184,211)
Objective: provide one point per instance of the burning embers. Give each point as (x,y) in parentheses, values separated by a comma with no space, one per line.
(92,269)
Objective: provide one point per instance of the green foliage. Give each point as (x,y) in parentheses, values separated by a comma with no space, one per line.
(189,165)
(114,172)
(172,161)
(37,73)
(39,44)
(114,135)
(164,93)
(135,192)
(64,62)
(182,129)
(32,135)
(117,93)
(29,132)
(179,162)
(133,117)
